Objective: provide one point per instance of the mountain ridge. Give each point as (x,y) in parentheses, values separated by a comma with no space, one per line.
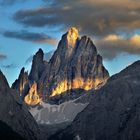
(113,112)
(75,64)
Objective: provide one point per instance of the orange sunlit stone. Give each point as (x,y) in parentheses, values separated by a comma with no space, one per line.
(72,36)
(32,97)
(77,83)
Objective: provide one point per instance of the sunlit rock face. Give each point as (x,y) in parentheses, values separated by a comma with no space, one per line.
(72,36)
(78,83)
(32,97)
(75,64)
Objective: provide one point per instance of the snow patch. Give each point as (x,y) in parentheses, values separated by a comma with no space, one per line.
(54,114)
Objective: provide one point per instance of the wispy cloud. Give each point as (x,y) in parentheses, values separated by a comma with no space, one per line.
(3,56)
(9,66)
(112,45)
(30,36)
(47,56)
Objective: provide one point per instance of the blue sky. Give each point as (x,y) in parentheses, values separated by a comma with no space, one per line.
(27,25)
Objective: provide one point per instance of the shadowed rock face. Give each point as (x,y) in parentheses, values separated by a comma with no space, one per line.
(14,113)
(37,66)
(6,133)
(113,113)
(22,82)
(75,64)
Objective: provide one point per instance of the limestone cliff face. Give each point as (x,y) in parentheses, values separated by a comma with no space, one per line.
(22,81)
(75,64)
(37,66)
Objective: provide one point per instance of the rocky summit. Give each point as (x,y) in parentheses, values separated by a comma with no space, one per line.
(113,113)
(74,65)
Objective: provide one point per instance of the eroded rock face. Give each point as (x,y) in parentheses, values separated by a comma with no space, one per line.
(14,113)
(75,64)
(32,98)
(37,66)
(22,82)
(113,112)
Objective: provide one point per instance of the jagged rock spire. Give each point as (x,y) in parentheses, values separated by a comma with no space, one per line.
(3,82)
(22,82)
(75,64)
(37,66)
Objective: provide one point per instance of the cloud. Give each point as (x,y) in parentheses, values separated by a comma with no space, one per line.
(3,57)
(112,45)
(9,2)
(30,36)
(98,17)
(104,19)
(47,56)
(9,66)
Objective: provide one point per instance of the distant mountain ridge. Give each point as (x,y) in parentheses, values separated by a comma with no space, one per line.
(75,64)
(113,112)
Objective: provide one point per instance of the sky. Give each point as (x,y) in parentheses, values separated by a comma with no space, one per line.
(27,25)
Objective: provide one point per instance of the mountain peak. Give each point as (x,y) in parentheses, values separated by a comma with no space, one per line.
(72,36)
(74,65)
(3,82)
(40,53)
(37,65)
